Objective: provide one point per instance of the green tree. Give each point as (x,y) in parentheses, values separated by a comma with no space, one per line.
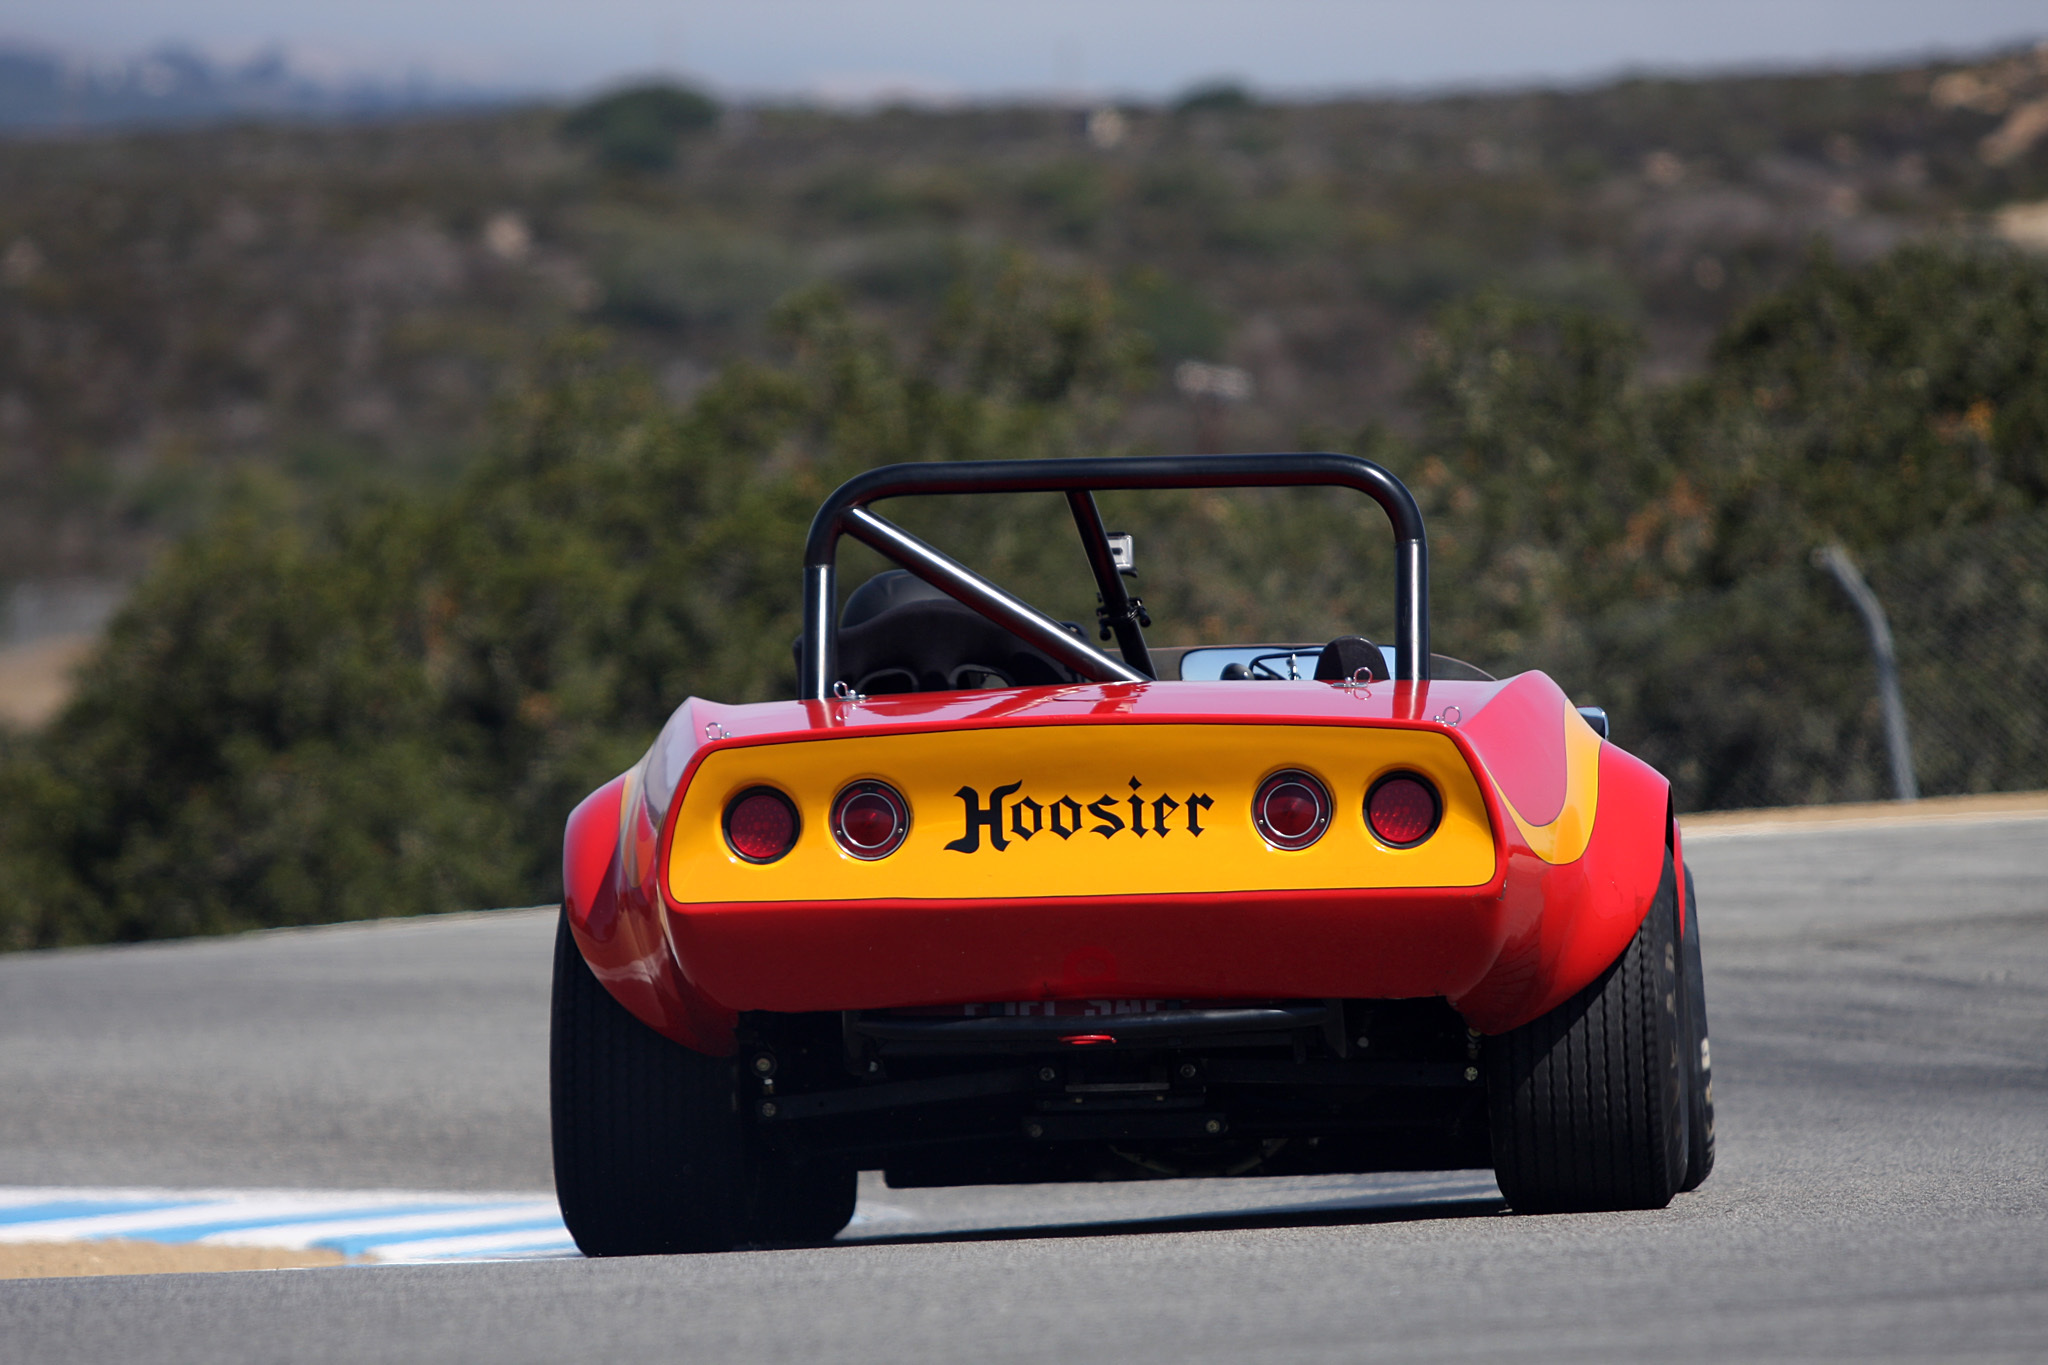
(1536,452)
(1869,404)
(637,129)
(390,707)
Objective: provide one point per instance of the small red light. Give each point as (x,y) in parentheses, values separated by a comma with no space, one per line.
(1087,1039)
(870,820)
(760,824)
(1291,809)
(1402,809)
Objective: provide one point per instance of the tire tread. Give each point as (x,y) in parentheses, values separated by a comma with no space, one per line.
(646,1147)
(1587,1102)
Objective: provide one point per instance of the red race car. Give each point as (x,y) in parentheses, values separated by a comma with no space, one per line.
(987,904)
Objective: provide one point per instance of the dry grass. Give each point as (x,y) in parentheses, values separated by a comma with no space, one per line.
(1932,809)
(36,1260)
(35,679)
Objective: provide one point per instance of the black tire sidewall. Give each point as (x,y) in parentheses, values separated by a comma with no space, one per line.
(648,1150)
(1699,1078)
(1588,1103)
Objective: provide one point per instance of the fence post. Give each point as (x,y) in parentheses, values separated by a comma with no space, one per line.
(1836,561)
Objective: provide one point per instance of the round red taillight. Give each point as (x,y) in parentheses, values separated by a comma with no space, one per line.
(870,820)
(1402,810)
(760,824)
(1291,809)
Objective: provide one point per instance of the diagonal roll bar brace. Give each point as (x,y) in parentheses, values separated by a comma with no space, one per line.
(1013,613)
(837,516)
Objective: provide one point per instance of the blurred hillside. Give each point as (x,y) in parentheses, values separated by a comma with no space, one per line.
(343,303)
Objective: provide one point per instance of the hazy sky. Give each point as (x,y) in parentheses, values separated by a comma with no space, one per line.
(989,47)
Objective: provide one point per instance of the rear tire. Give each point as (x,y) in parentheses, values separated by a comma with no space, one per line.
(648,1151)
(804,1201)
(1589,1101)
(1699,1066)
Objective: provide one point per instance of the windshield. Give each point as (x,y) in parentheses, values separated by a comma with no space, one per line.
(1227,663)
(1272,662)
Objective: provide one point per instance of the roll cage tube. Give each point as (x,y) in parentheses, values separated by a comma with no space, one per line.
(1011,612)
(846,513)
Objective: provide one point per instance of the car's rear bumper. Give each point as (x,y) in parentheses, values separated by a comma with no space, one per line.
(799,957)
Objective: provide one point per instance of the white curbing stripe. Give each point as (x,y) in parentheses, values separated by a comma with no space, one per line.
(481,1247)
(384,1226)
(388,1227)
(320,1232)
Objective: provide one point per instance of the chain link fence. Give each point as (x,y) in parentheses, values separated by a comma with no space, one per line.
(1766,694)
(1969,614)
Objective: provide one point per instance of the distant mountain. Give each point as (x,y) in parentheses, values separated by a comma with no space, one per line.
(44,91)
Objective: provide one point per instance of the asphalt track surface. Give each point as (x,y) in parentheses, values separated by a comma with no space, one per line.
(1881,1058)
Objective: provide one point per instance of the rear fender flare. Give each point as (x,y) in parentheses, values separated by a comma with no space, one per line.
(590,850)
(1578,917)
(619,931)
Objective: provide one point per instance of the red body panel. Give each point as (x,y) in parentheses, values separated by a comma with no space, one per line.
(1521,733)
(1502,953)
(618,928)
(1574,919)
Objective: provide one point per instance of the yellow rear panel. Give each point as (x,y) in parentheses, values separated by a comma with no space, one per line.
(1067,828)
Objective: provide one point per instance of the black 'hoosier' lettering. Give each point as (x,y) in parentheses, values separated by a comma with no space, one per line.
(1029,817)
(979,819)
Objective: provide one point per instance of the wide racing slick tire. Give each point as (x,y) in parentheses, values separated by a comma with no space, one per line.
(1588,1102)
(802,1201)
(1699,1057)
(648,1151)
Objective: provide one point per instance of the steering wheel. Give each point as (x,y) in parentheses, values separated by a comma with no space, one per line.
(1259,667)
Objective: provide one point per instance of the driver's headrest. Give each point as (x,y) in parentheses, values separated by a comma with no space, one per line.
(885,591)
(1349,655)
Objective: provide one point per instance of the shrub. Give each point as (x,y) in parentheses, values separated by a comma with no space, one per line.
(637,129)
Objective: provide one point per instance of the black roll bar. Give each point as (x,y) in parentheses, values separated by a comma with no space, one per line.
(846,512)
